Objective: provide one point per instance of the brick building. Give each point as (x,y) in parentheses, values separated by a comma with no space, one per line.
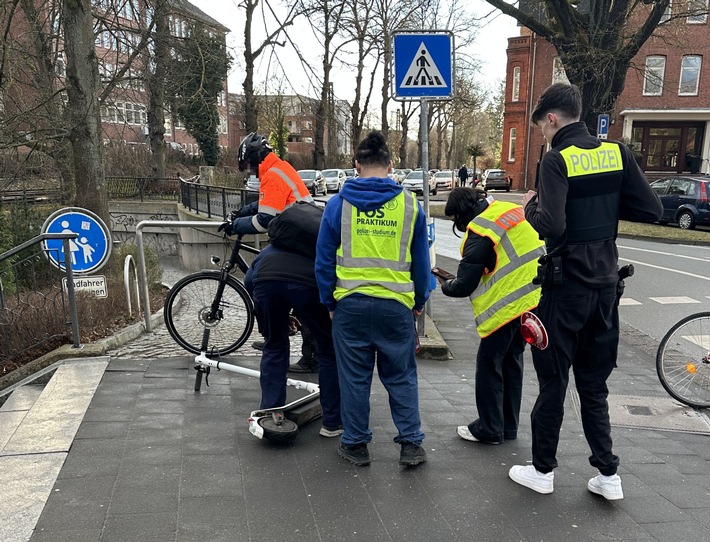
(664,108)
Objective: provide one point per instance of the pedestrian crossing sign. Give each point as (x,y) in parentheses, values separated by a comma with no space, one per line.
(422,64)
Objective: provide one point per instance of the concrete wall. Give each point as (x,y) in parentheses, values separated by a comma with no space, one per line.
(125,215)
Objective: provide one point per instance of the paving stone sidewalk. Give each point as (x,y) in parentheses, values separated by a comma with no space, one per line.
(154,461)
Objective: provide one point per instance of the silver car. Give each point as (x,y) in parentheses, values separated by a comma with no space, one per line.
(334,179)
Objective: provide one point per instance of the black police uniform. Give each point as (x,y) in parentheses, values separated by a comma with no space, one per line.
(585,187)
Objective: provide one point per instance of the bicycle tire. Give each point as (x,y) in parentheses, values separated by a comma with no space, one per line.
(187,306)
(682,360)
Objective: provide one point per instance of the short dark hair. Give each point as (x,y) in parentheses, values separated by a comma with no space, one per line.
(562,97)
(373,150)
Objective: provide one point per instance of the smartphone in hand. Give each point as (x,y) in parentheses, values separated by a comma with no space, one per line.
(442,274)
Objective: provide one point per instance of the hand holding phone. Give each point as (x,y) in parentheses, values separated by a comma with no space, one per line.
(442,275)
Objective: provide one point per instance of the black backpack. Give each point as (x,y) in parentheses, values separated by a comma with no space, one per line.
(296,229)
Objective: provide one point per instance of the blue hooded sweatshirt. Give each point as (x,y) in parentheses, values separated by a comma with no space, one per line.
(367,194)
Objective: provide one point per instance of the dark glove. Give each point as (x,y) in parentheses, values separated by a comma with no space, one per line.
(226,227)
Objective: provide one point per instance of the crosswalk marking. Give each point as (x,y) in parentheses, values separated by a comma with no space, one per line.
(628,302)
(674,300)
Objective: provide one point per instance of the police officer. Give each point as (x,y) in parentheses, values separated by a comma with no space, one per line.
(499,256)
(372,268)
(585,187)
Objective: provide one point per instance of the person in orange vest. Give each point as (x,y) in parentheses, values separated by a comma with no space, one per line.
(280,186)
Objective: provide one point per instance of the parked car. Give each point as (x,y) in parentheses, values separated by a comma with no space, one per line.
(334,179)
(415,180)
(684,199)
(397,175)
(445,178)
(314,181)
(350,173)
(253,183)
(496,179)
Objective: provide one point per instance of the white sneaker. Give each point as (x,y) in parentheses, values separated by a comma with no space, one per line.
(465,433)
(608,487)
(330,433)
(530,477)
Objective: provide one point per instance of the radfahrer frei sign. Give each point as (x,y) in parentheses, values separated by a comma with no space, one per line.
(88,253)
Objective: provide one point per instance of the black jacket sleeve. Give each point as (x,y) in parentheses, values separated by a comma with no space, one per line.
(478,255)
(638,203)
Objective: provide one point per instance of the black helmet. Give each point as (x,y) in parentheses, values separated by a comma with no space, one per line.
(252,151)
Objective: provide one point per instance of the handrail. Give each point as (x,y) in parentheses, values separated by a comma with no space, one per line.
(65,237)
(142,275)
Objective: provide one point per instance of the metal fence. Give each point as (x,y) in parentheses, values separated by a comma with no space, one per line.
(214,201)
(34,308)
(143,188)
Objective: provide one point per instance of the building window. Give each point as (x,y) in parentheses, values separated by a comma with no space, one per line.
(559,75)
(653,75)
(689,75)
(667,14)
(516,84)
(697,11)
(511,144)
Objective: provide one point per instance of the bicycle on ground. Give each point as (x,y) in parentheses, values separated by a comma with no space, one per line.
(683,360)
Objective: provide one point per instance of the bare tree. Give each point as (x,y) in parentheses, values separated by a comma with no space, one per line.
(251,53)
(597,43)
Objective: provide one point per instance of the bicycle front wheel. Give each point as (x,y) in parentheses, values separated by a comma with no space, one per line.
(188,307)
(682,361)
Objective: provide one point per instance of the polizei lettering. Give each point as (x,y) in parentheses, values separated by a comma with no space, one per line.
(374,218)
(589,161)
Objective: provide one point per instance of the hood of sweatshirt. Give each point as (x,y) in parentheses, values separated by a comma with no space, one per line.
(369,193)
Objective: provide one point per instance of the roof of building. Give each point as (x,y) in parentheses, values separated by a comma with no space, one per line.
(197,13)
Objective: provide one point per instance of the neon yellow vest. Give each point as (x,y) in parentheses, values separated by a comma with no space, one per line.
(374,256)
(506,291)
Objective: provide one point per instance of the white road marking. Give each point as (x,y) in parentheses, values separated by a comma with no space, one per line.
(703,277)
(700,259)
(674,300)
(627,301)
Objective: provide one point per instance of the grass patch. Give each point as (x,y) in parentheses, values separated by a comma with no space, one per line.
(670,233)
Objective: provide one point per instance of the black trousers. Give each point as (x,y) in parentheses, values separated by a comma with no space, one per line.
(499,384)
(583,327)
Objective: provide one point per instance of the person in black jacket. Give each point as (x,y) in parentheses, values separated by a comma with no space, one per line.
(498,263)
(463,175)
(585,187)
(280,280)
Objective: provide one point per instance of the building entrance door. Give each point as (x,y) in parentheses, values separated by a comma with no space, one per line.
(668,147)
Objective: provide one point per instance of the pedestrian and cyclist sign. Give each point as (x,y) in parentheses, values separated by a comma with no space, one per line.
(422,64)
(89,251)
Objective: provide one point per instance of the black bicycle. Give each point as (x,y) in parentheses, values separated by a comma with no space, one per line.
(214,301)
(683,360)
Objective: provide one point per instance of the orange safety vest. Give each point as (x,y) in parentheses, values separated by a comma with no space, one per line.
(279,186)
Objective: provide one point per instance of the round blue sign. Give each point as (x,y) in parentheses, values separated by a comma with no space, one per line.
(89,251)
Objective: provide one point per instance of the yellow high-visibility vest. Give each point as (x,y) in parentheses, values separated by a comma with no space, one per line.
(374,256)
(506,291)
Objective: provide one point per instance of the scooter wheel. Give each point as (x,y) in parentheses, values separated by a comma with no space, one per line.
(286,431)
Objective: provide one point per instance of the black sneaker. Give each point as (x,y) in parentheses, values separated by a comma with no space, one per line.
(357,454)
(411,454)
(304,366)
(258,345)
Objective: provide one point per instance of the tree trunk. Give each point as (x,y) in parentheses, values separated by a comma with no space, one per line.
(83,87)
(156,89)
(403,143)
(250,112)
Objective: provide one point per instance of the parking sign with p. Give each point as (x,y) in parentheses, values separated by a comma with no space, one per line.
(603,126)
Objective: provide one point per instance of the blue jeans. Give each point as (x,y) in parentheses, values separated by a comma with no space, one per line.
(369,331)
(274,301)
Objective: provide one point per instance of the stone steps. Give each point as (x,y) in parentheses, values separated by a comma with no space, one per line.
(37,428)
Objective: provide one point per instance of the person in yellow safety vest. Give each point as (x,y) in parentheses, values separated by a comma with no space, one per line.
(372,269)
(499,260)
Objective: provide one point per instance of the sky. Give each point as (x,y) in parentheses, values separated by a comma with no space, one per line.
(489,48)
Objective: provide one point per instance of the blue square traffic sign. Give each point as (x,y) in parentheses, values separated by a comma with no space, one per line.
(422,65)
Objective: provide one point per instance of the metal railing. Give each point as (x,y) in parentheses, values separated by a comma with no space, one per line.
(214,201)
(143,188)
(33,307)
